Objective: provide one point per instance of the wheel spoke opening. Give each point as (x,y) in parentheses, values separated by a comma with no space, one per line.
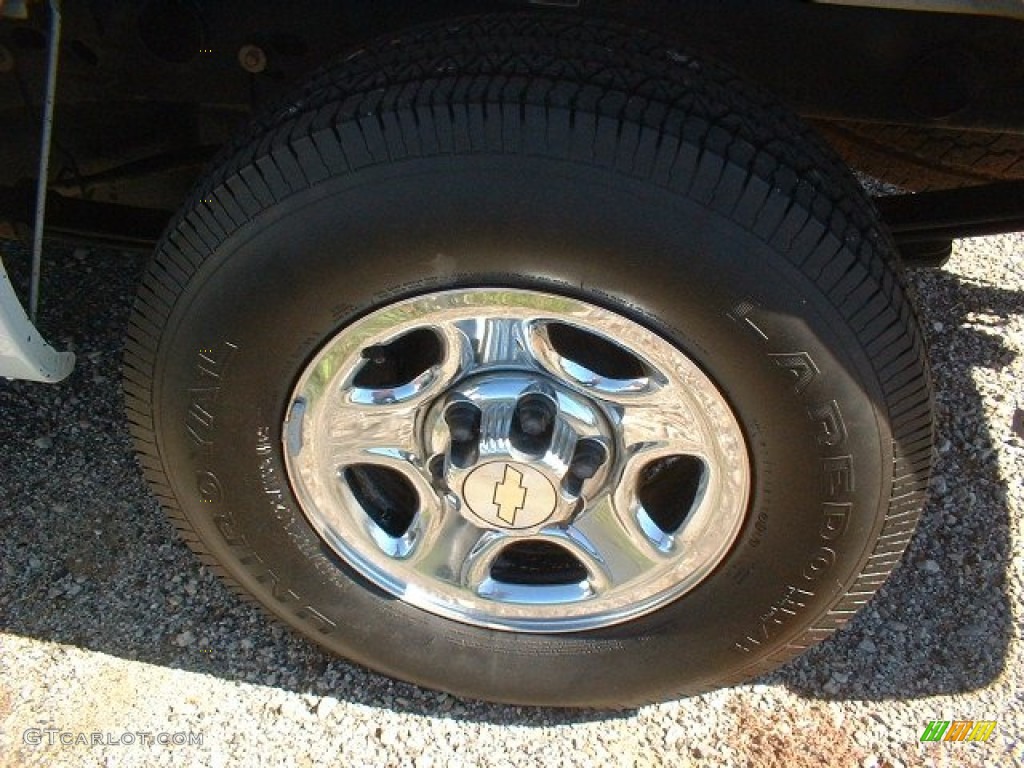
(389,366)
(668,490)
(593,360)
(385,495)
(537,563)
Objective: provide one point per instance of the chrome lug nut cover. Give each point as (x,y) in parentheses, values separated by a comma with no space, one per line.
(507,443)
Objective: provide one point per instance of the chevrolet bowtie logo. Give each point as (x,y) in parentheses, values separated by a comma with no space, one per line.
(507,495)
(510,495)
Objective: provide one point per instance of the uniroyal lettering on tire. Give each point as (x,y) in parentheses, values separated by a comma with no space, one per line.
(533,359)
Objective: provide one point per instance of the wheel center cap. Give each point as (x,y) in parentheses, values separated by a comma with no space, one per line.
(509,495)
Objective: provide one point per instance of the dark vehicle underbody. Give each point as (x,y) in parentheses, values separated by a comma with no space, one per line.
(148,92)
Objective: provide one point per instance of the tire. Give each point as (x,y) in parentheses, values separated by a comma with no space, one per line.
(919,158)
(326,400)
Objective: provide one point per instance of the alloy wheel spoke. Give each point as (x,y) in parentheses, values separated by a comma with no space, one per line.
(451,548)
(613,543)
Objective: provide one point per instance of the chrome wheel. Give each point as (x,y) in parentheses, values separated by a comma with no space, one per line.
(516,460)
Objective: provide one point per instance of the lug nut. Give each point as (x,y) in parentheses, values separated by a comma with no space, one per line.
(587,459)
(535,415)
(463,421)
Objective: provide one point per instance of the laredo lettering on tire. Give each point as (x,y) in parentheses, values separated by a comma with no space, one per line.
(534,360)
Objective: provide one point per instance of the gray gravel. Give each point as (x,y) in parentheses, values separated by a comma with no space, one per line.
(109,626)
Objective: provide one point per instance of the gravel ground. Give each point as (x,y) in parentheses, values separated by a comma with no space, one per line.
(108,625)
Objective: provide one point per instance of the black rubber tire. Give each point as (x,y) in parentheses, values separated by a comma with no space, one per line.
(574,157)
(919,158)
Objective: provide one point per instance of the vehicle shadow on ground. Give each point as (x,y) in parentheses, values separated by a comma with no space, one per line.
(90,561)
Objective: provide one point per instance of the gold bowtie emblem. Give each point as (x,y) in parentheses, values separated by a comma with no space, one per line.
(510,495)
